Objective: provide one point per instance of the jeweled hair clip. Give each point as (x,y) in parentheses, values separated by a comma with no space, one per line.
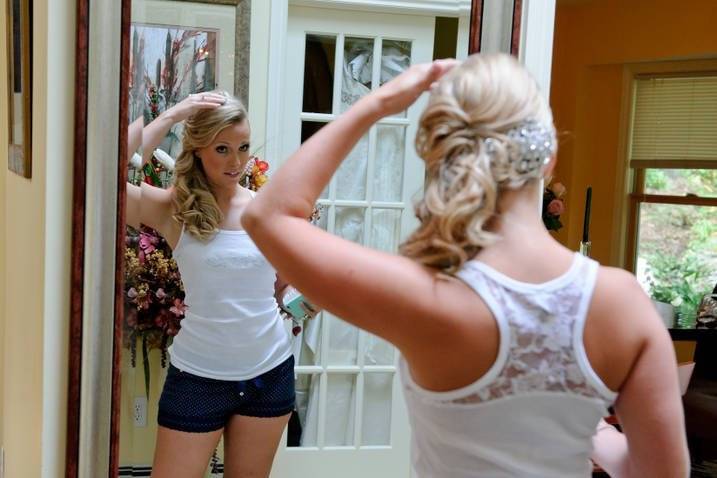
(535,145)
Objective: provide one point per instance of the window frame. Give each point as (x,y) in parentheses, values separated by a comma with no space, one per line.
(630,186)
(638,196)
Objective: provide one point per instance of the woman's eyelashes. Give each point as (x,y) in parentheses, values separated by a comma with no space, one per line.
(223,149)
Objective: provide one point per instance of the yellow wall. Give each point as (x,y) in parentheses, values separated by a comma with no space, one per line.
(594,41)
(34,255)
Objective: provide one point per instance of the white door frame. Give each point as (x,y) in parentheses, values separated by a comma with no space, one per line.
(536,40)
(279,17)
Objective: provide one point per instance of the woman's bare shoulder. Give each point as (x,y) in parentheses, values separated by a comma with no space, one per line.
(621,321)
(618,293)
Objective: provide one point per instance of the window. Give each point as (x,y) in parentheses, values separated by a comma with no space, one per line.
(672,240)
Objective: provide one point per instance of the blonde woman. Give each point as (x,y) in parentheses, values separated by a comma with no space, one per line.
(512,346)
(231,368)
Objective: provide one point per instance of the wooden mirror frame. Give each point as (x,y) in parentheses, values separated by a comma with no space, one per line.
(92,17)
(476,27)
(81,224)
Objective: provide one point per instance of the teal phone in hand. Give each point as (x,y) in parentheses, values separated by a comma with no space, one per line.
(293,300)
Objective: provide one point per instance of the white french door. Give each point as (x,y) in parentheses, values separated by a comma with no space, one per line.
(352,417)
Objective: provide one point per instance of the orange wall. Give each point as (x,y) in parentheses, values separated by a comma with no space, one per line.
(593,42)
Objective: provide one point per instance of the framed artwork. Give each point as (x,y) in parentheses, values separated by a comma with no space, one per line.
(179,48)
(172,61)
(19,35)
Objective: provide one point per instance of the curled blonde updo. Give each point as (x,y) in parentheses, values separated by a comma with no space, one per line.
(194,204)
(483,98)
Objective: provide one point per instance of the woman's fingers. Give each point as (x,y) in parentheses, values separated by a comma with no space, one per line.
(207,100)
(402,91)
(213,98)
(436,71)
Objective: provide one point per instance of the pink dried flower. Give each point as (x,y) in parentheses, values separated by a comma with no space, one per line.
(178,308)
(556,207)
(147,244)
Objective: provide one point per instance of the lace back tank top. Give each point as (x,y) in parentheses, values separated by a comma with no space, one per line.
(534,412)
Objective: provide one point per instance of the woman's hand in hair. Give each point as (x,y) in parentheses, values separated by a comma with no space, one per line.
(193,103)
(400,93)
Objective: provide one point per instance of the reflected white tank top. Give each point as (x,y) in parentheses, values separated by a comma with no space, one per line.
(232,329)
(533,414)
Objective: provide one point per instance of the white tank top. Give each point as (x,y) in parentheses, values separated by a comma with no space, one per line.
(533,414)
(232,329)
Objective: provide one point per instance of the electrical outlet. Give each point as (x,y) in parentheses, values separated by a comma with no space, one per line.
(140,412)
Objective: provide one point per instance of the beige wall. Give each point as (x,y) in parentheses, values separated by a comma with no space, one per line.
(3,169)
(259,74)
(137,443)
(34,255)
(593,43)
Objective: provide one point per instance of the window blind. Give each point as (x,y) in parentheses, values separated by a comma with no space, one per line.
(674,123)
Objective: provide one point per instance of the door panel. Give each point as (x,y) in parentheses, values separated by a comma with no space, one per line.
(352,415)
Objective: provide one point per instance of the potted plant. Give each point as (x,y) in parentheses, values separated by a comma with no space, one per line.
(675,287)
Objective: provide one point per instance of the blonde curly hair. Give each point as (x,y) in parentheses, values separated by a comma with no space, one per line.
(463,139)
(194,203)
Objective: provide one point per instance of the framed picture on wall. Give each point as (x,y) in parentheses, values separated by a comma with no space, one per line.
(19,36)
(213,22)
(179,48)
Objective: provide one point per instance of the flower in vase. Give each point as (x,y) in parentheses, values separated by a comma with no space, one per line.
(553,206)
(257,173)
(160,320)
(556,207)
(131,317)
(147,244)
(143,297)
(178,308)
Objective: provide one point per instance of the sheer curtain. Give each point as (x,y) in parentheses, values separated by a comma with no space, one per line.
(351,183)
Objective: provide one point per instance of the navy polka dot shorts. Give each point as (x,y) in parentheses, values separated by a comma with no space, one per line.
(197,404)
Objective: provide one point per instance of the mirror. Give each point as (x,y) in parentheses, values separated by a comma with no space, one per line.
(19,47)
(295,66)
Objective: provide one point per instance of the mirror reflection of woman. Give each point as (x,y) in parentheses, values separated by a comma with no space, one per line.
(512,346)
(231,368)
